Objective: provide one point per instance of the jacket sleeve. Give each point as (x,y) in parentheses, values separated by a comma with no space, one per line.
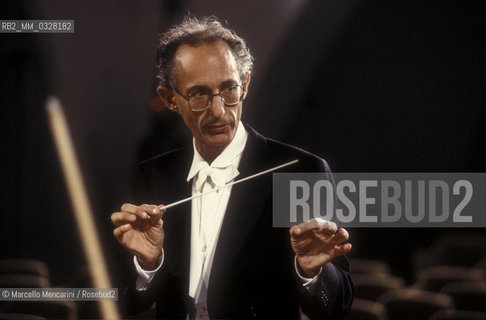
(332,295)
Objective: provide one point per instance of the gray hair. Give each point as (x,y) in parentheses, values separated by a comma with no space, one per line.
(194,32)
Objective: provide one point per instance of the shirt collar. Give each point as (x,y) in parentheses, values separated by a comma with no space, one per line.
(229,156)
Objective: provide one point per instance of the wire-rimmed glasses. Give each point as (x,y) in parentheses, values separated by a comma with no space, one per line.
(201,100)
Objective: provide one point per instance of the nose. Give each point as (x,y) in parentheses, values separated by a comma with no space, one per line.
(217,107)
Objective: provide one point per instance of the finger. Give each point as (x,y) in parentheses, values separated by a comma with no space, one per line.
(323,234)
(328,226)
(295,231)
(326,231)
(342,250)
(317,223)
(322,228)
(119,218)
(340,236)
(301,230)
(136,210)
(159,223)
(120,231)
(154,212)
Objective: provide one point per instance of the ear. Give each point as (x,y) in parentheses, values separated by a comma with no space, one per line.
(246,83)
(168,97)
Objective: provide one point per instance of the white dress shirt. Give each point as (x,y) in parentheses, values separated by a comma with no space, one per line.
(207,212)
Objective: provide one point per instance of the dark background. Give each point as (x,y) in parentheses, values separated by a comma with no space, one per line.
(371,86)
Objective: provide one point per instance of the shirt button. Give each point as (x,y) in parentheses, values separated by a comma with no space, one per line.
(203,249)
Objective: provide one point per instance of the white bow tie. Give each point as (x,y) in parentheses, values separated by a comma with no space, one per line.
(216,177)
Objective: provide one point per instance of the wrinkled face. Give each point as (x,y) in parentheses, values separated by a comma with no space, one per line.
(209,67)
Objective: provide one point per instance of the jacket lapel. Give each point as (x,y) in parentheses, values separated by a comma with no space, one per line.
(245,206)
(170,185)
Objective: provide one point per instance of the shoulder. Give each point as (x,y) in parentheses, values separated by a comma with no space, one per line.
(307,161)
(162,174)
(280,151)
(168,161)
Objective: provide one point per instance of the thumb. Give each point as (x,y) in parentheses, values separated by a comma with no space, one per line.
(295,231)
(342,250)
(156,215)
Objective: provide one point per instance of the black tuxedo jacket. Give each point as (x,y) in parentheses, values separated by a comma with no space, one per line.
(253,274)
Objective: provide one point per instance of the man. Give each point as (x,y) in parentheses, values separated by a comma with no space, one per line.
(218,255)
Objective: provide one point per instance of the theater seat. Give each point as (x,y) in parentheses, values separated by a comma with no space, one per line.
(368,266)
(458,315)
(458,249)
(467,295)
(24,266)
(434,278)
(372,286)
(366,310)
(412,304)
(23,281)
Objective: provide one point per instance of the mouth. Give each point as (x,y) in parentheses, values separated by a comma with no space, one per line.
(218,128)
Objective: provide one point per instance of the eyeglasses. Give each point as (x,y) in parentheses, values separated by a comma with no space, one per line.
(201,100)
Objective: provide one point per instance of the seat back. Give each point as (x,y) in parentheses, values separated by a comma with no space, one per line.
(412,304)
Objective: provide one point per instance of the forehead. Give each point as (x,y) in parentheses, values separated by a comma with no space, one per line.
(207,64)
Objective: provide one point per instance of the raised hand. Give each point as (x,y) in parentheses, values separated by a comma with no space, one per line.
(139,229)
(316,242)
